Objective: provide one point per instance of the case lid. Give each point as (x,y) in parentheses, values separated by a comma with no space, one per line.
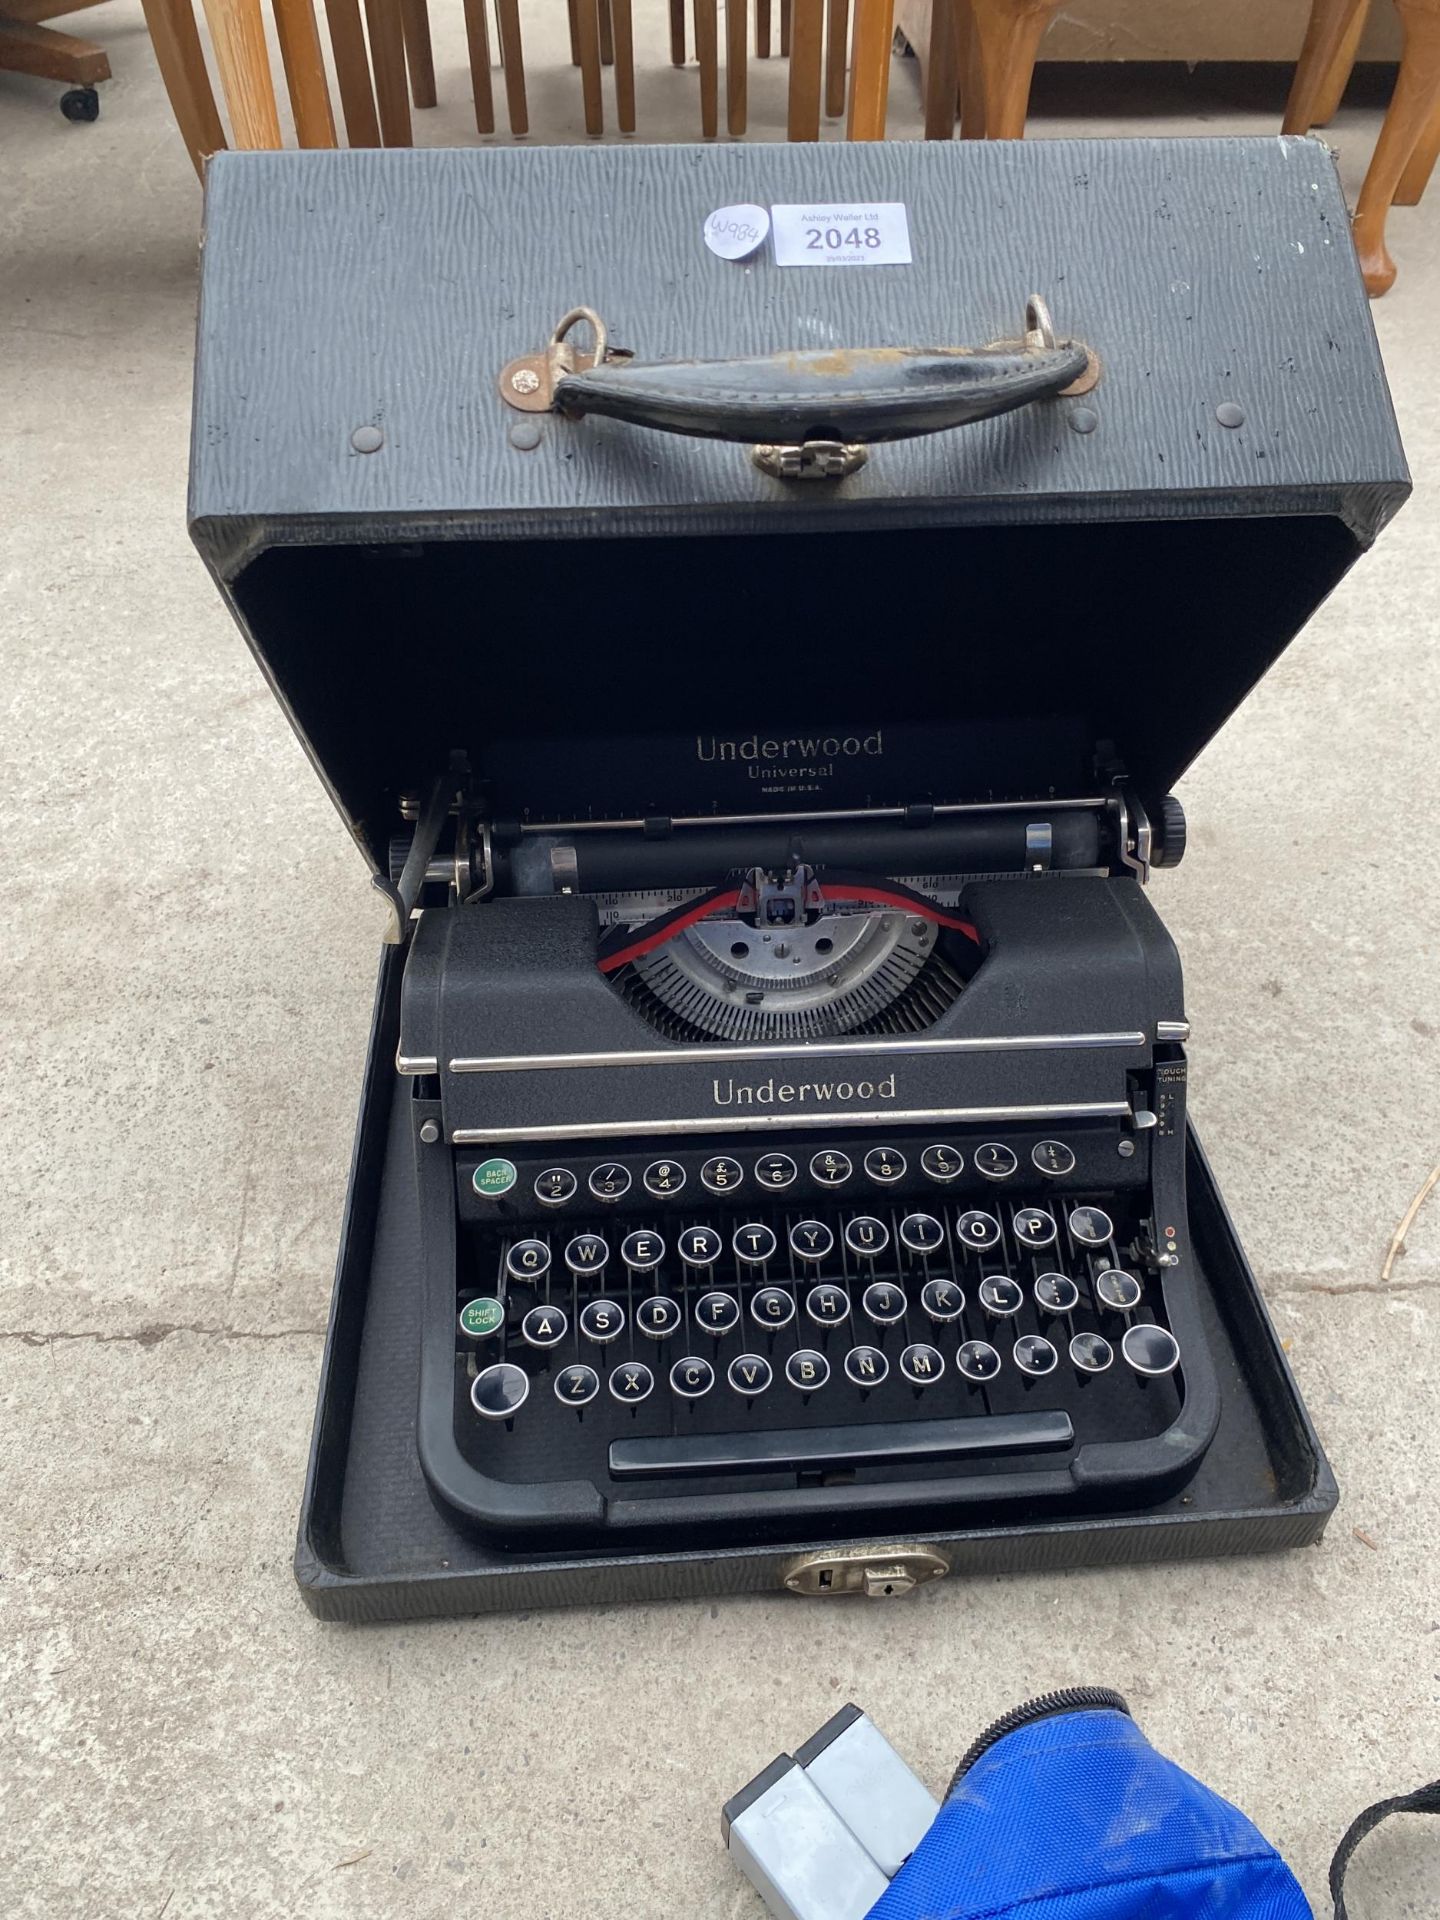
(614,621)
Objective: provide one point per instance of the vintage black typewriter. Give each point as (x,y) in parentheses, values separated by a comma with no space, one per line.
(851,1185)
(760,694)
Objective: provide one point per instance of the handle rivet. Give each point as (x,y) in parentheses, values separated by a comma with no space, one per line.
(1084,420)
(429,1132)
(367,439)
(525,380)
(1230,414)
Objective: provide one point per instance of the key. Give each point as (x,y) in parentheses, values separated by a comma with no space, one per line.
(587,1253)
(941,1300)
(772,1307)
(602,1321)
(942,1163)
(1034,1228)
(632,1382)
(722,1174)
(658,1317)
(1034,1355)
(1091,1352)
(642,1252)
(610,1181)
(811,1240)
(922,1233)
(831,1168)
(555,1186)
(1056,1293)
(866,1236)
(499,1392)
(544,1327)
(663,1178)
(883,1304)
(994,1161)
(1092,1226)
(700,1246)
(1052,1158)
(1120,1292)
(527,1260)
(806,1370)
(827,1306)
(1000,1296)
(866,1366)
(692,1378)
(978,1231)
(775,1171)
(749,1374)
(482,1319)
(754,1243)
(977,1360)
(717,1313)
(922,1365)
(576,1386)
(1150,1349)
(885,1165)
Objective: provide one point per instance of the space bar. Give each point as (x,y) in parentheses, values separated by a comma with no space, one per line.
(905,1443)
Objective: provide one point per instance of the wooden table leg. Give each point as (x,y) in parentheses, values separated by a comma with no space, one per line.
(784,28)
(304,64)
(1412,108)
(677,33)
(624,64)
(352,71)
(971,77)
(387,60)
(512,62)
(419,54)
(237,36)
(587,33)
(762,29)
(1008,35)
(707,52)
(942,72)
(181,60)
(1323,66)
(737,57)
(870,39)
(1416,176)
(807,27)
(837,53)
(477,41)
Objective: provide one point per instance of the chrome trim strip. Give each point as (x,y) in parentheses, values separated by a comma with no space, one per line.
(761,1122)
(802,1050)
(415,1063)
(1172,1030)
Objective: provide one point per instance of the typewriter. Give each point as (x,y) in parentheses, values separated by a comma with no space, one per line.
(799,1168)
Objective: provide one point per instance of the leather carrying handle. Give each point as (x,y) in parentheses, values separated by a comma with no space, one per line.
(855,395)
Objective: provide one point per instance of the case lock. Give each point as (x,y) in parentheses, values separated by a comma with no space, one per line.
(880,1573)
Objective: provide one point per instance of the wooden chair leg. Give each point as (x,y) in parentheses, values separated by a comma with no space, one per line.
(574,35)
(512,61)
(837,54)
(304,64)
(762,29)
(178,54)
(972,80)
(942,72)
(1008,35)
(352,72)
(1412,108)
(1416,176)
(624,28)
(870,41)
(677,33)
(807,29)
(607,34)
(587,32)
(1333,92)
(477,40)
(1321,71)
(784,28)
(237,35)
(737,56)
(707,52)
(387,60)
(419,54)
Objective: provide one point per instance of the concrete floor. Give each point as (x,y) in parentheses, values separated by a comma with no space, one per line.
(188,963)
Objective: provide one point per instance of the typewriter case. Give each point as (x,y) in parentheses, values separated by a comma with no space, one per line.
(576,619)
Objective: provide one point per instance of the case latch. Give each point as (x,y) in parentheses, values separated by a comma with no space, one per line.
(880,1573)
(810,460)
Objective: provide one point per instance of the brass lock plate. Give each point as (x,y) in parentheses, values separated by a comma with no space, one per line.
(880,1573)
